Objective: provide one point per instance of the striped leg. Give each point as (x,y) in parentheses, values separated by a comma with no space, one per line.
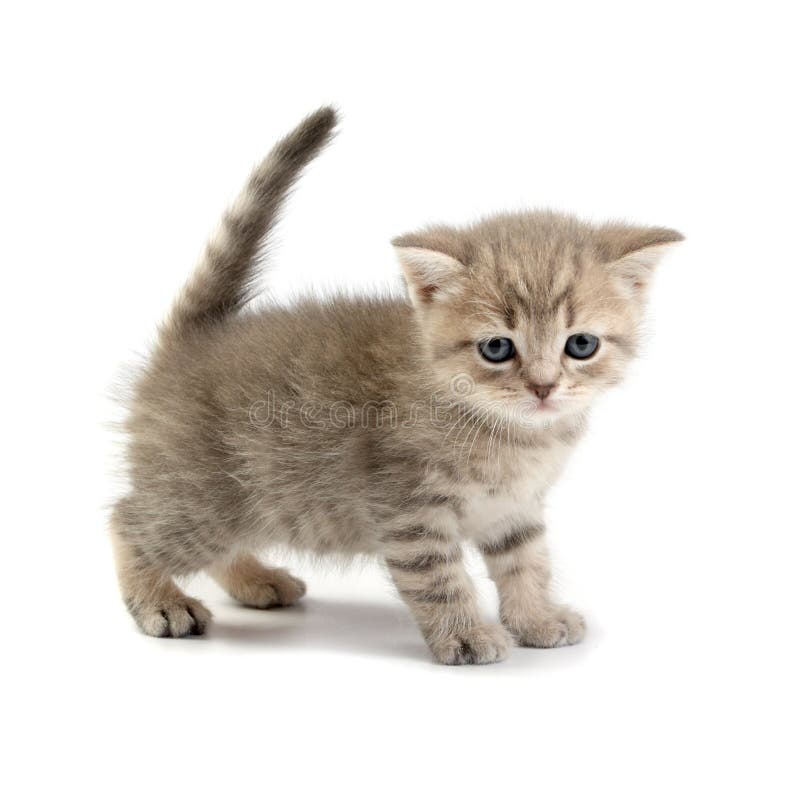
(426,566)
(519,564)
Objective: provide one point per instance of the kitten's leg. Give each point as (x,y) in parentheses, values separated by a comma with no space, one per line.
(519,564)
(159,607)
(426,566)
(253,584)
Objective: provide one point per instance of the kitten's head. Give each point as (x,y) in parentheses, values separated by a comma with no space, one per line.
(530,315)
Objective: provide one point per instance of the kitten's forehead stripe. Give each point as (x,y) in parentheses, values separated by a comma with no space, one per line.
(514,305)
(569,308)
(523,300)
(564,298)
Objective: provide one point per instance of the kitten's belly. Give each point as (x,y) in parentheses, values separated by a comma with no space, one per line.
(326,526)
(350,522)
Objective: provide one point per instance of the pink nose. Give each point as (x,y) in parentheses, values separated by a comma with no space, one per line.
(541,391)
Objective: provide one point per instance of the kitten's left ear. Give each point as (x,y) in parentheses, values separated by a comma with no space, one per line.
(631,254)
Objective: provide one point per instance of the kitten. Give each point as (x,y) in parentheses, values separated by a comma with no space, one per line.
(402,428)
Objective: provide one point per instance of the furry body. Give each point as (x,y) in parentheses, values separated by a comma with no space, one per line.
(370,426)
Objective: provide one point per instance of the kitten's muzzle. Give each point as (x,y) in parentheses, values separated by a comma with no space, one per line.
(541,390)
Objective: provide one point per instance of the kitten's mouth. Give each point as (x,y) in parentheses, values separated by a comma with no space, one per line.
(531,412)
(546,406)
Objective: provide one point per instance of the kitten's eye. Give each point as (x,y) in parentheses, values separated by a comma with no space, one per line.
(497,350)
(581,345)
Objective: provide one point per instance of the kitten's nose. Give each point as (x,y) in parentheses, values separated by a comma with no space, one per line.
(541,390)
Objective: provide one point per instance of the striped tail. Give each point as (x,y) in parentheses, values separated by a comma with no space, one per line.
(225,277)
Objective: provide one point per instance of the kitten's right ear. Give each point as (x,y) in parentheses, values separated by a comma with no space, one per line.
(631,254)
(429,274)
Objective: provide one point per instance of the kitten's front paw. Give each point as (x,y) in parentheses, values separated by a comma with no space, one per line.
(557,627)
(483,644)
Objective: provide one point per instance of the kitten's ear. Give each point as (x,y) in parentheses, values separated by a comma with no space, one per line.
(430,274)
(631,254)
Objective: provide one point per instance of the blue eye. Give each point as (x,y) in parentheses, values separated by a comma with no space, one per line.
(581,345)
(497,350)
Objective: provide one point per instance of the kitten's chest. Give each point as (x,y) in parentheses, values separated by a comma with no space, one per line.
(516,497)
(483,512)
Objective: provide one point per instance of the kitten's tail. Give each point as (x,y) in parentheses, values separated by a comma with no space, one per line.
(224,279)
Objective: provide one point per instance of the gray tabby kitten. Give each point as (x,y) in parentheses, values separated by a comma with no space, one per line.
(402,428)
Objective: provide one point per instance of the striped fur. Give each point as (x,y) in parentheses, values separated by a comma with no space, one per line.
(428,570)
(224,280)
(522,574)
(516,537)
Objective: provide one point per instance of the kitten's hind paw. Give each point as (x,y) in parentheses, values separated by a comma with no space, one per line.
(172,617)
(256,585)
(483,644)
(557,627)
(276,587)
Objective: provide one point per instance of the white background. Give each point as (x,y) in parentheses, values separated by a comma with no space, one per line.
(127,129)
